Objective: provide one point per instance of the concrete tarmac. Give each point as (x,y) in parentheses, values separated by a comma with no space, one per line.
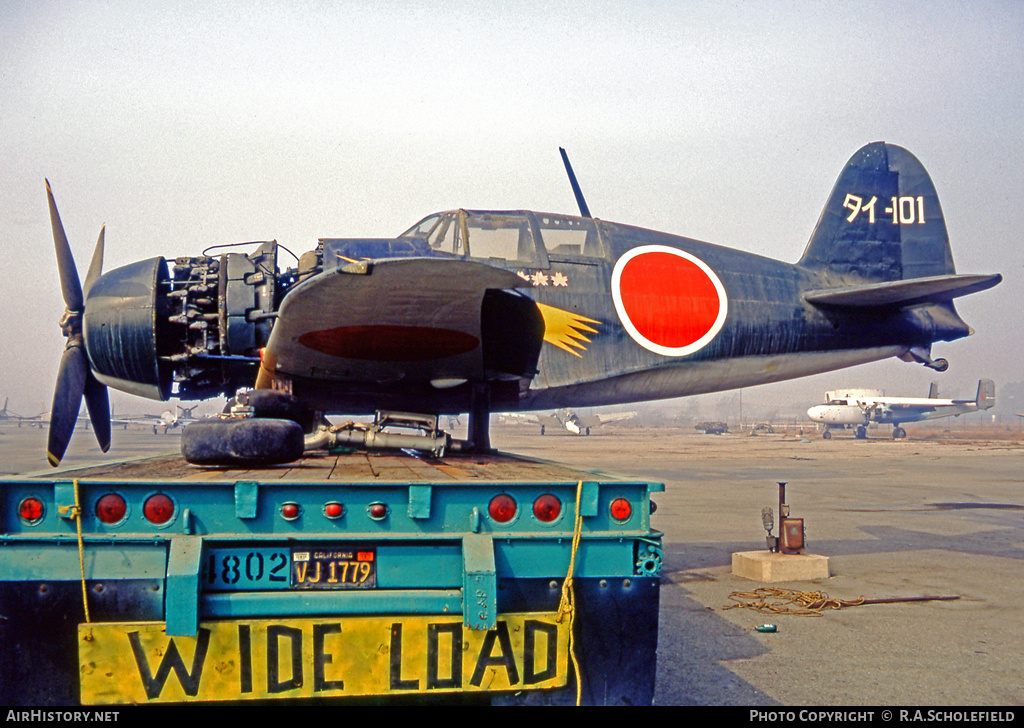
(901,519)
(905,518)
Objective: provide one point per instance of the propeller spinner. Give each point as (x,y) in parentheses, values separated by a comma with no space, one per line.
(74,377)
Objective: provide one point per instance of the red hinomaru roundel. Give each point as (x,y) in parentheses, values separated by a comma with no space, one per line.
(669,301)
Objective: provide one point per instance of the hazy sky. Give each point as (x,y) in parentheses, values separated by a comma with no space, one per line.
(182,125)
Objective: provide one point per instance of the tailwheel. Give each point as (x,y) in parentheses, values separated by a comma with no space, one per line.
(242,442)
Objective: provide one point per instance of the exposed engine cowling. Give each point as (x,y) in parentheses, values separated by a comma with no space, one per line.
(191,330)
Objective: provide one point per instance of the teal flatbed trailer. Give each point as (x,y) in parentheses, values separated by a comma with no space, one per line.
(352,576)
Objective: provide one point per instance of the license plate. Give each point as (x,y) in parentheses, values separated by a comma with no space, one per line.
(323,657)
(258,568)
(332,567)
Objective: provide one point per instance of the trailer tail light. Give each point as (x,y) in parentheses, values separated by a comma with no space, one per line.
(502,508)
(158,509)
(547,508)
(111,509)
(621,509)
(31,510)
(334,510)
(290,511)
(377,511)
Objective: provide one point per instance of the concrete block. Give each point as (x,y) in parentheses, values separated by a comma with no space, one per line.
(769,567)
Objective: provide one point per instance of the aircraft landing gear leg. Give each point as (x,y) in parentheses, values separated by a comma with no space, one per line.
(480,419)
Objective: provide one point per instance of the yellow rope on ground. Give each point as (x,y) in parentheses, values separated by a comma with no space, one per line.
(567,606)
(75,512)
(771,600)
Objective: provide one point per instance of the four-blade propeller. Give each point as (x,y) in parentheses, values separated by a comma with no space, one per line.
(74,377)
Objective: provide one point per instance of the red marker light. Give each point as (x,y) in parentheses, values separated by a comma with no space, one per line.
(158,509)
(290,511)
(502,508)
(621,510)
(377,511)
(111,509)
(334,510)
(547,508)
(31,509)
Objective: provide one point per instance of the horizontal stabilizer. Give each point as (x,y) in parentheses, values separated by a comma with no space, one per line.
(932,289)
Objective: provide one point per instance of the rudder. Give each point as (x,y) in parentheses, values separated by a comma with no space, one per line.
(986,394)
(882,221)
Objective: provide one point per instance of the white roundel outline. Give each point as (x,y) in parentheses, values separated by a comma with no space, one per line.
(620,309)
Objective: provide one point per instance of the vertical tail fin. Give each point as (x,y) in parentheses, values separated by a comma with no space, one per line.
(986,394)
(882,221)
(933,390)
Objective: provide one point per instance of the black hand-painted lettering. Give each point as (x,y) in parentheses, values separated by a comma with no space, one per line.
(530,630)
(294,635)
(434,681)
(171,660)
(322,659)
(245,658)
(506,659)
(397,683)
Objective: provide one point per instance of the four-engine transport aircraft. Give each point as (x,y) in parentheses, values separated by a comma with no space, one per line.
(481,311)
(858,409)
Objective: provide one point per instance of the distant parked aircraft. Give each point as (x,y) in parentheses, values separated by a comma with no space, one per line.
(858,408)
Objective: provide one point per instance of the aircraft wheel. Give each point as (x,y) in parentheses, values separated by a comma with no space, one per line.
(862,433)
(898,433)
(940,365)
(252,442)
(274,405)
(826,435)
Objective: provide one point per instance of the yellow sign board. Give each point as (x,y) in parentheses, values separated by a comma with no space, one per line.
(320,657)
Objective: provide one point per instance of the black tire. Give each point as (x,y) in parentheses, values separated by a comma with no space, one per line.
(826,435)
(274,405)
(252,442)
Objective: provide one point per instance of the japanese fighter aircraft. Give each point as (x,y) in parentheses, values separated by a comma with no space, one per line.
(858,409)
(480,311)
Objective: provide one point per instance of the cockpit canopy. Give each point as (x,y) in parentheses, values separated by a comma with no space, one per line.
(525,237)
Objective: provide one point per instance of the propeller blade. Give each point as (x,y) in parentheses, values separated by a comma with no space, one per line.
(70,286)
(98,402)
(96,266)
(67,401)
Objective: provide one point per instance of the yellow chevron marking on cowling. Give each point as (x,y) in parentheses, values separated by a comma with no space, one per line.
(563,328)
